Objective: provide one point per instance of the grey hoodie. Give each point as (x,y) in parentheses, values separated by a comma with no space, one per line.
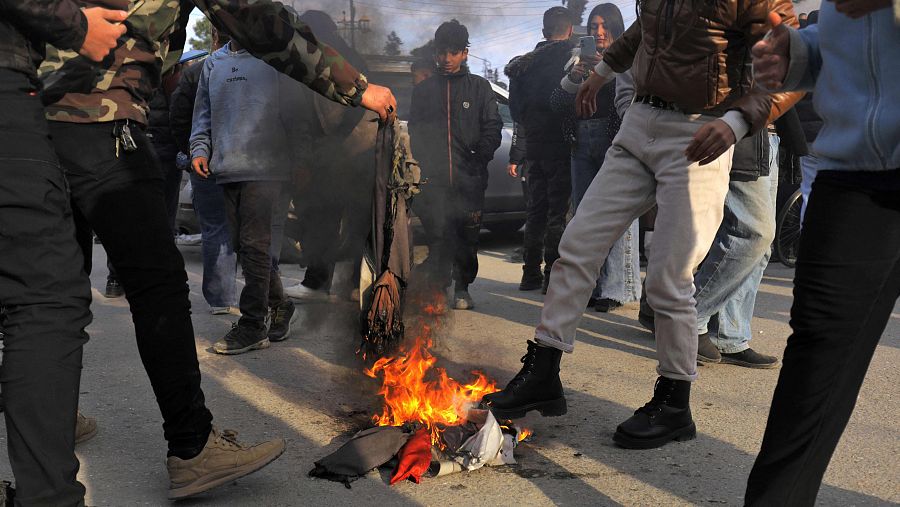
(245,119)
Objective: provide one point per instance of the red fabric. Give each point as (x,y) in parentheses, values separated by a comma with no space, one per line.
(415,457)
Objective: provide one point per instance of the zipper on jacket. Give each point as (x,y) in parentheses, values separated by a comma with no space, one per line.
(873,106)
(449,135)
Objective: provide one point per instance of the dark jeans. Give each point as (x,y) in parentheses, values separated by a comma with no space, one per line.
(451,232)
(219,258)
(549,191)
(250,206)
(122,200)
(172,177)
(846,284)
(46,298)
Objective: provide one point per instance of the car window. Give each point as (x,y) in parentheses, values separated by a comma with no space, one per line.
(505,114)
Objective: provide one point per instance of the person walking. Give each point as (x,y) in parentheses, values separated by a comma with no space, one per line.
(847,279)
(454,128)
(249,150)
(673,149)
(533,77)
(45,295)
(620,277)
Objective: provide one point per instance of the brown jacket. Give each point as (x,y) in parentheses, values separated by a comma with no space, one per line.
(782,102)
(696,54)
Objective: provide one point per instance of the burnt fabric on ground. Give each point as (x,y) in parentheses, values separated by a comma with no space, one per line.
(414,458)
(367,449)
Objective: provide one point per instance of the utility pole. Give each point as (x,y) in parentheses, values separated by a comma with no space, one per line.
(352,25)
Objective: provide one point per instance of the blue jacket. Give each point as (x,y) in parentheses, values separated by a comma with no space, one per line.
(245,119)
(854,67)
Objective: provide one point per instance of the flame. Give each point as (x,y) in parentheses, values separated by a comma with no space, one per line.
(524,433)
(414,390)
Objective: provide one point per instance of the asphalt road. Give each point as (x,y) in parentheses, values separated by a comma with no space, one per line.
(310,390)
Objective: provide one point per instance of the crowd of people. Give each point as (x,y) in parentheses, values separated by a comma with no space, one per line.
(665,115)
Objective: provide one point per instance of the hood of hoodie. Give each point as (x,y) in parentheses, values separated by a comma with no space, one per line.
(548,49)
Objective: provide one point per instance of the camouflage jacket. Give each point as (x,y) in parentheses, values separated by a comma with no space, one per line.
(75,90)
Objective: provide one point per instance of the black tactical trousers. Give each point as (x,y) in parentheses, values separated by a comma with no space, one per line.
(250,206)
(549,190)
(121,199)
(845,288)
(46,297)
(451,226)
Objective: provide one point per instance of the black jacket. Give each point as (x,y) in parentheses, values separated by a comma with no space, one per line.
(181,106)
(533,78)
(455,128)
(26,25)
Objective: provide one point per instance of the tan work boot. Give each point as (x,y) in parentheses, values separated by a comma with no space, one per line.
(85,428)
(222,460)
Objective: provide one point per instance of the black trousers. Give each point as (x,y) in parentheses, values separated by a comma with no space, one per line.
(846,284)
(46,299)
(121,199)
(452,224)
(549,191)
(250,206)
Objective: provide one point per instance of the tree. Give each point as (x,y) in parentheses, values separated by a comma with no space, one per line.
(392,48)
(577,8)
(203,30)
(424,52)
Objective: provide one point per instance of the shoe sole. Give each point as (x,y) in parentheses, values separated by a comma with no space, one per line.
(87,436)
(287,332)
(262,344)
(528,288)
(755,366)
(684,434)
(211,481)
(552,408)
(708,360)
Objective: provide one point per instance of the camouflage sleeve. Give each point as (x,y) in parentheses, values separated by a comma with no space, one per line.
(59,22)
(274,33)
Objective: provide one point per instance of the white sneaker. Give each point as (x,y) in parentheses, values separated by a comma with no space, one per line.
(188,239)
(303,292)
(225,310)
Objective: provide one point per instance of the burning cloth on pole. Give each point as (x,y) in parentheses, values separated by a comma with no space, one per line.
(388,260)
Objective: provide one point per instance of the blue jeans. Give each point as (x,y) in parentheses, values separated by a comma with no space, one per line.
(219,258)
(620,277)
(729,278)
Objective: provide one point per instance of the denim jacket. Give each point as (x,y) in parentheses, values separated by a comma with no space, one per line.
(853,66)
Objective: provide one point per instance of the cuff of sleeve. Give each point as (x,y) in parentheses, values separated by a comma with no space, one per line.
(568,86)
(354,96)
(199,151)
(738,124)
(604,70)
(799,65)
(75,38)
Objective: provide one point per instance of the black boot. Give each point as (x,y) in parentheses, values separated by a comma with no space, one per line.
(546,284)
(665,418)
(535,387)
(531,278)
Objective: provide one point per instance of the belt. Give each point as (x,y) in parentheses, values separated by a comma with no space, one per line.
(656,102)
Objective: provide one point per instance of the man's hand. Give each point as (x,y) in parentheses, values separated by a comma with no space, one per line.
(855,9)
(771,56)
(513,170)
(586,100)
(710,142)
(380,100)
(103,31)
(201,166)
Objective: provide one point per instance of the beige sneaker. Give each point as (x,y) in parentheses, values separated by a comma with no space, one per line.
(85,428)
(222,460)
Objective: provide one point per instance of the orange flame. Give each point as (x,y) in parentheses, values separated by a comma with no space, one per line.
(416,391)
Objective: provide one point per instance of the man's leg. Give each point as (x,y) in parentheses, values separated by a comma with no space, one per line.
(115,195)
(219,258)
(622,191)
(846,285)
(535,225)
(734,333)
(559,185)
(465,264)
(434,209)
(46,296)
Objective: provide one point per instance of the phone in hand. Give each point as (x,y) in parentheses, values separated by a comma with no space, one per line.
(134,8)
(588,47)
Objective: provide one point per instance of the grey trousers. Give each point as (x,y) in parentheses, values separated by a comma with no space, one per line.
(645,166)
